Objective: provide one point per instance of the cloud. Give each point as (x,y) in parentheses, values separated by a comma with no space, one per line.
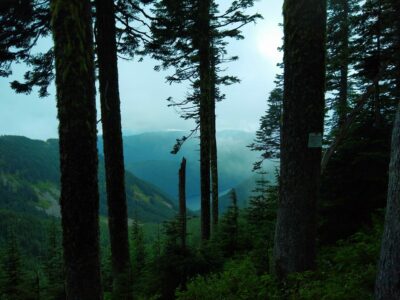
(144,91)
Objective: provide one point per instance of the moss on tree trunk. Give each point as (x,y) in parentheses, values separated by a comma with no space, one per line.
(73,39)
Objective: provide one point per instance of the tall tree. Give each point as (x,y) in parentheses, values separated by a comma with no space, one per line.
(228,230)
(12,268)
(54,268)
(138,256)
(73,49)
(387,281)
(302,127)
(350,194)
(388,278)
(113,148)
(268,135)
(340,44)
(203,44)
(190,36)
(182,201)
(341,23)
(23,23)
(213,139)
(371,60)
(31,19)
(138,248)
(261,216)
(375,54)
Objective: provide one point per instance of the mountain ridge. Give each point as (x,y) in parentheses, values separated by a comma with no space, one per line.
(29,181)
(148,156)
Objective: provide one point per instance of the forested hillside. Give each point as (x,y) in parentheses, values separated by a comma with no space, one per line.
(29,172)
(149,157)
(307,206)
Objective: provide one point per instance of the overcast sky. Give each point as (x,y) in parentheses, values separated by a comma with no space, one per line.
(144,91)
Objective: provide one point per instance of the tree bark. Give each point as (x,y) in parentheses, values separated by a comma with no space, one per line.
(113,148)
(387,285)
(388,279)
(377,94)
(344,64)
(302,127)
(182,202)
(204,68)
(213,144)
(75,83)
(214,172)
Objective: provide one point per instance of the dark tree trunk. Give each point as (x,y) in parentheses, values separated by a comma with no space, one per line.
(377,95)
(182,201)
(73,40)
(302,127)
(213,145)
(214,171)
(113,148)
(344,65)
(387,286)
(388,279)
(204,68)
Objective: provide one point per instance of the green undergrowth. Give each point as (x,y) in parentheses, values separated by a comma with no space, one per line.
(346,270)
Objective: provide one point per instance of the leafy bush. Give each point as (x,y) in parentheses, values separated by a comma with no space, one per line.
(238,281)
(346,271)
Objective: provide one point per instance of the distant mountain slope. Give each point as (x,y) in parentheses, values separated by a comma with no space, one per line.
(29,182)
(245,189)
(148,156)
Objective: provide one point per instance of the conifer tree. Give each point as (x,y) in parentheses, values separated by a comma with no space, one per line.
(106,270)
(12,269)
(261,213)
(386,286)
(53,266)
(23,23)
(203,44)
(375,56)
(110,39)
(261,217)
(113,148)
(302,127)
(388,276)
(349,193)
(268,135)
(267,139)
(172,264)
(157,243)
(73,50)
(228,230)
(190,36)
(138,249)
(340,61)
(182,201)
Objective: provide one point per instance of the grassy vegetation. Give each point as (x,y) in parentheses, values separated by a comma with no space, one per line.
(346,270)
